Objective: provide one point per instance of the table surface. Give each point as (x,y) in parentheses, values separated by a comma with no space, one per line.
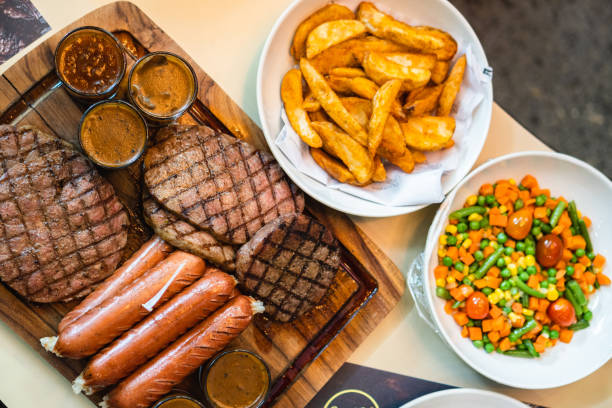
(402,343)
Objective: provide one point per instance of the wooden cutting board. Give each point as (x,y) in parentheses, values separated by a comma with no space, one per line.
(366,289)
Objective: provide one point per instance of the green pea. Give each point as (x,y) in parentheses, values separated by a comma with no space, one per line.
(522,187)
(478,343)
(552,279)
(501,263)
(505,285)
(467,281)
(505,273)
(520,246)
(501,303)
(506,310)
(536,231)
(554,334)
(464,235)
(524,276)
(590,255)
(485,338)
(532,270)
(478,255)
(461,227)
(546,228)
(470,323)
(474,225)
(552,272)
(573,230)
(514,291)
(502,238)
(484,243)
(514,338)
(489,348)
(530,250)
(459,266)
(546,332)
(580,252)
(537,223)
(541,200)
(487,291)
(490,199)
(569,270)
(508,250)
(473,267)
(451,240)
(544,284)
(518,204)
(573,259)
(447,261)
(588,315)
(481,201)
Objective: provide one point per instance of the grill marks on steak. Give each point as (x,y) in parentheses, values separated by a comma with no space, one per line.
(185,236)
(289,264)
(217,182)
(63,228)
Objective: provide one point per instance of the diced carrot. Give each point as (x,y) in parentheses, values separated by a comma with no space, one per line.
(453,222)
(466,290)
(560,265)
(540,212)
(516,255)
(599,261)
(506,330)
(575,242)
(587,221)
(505,344)
(560,273)
(529,181)
(475,333)
(543,305)
(519,321)
(603,279)
(578,271)
(510,243)
(498,324)
(448,306)
(464,331)
(565,220)
(584,261)
(486,189)
(492,282)
(457,275)
(493,272)
(533,303)
(456,294)
(567,255)
(542,317)
(558,229)
(517,307)
(533,281)
(480,283)
(494,336)
(534,332)
(452,253)
(461,318)
(440,272)
(495,312)
(566,335)
(467,259)
(540,347)
(451,285)
(524,195)
(487,325)
(488,251)
(497,219)
(541,339)
(589,277)
(539,191)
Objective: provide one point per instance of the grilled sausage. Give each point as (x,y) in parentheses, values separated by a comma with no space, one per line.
(115,315)
(186,354)
(149,254)
(151,335)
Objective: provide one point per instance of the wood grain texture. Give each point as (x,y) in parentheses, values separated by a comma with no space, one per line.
(279,344)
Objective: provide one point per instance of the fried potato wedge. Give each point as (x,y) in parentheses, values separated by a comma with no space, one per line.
(428,133)
(439,71)
(404,161)
(332,33)
(423,39)
(333,167)
(310,103)
(363,87)
(380,173)
(451,87)
(319,116)
(330,102)
(423,100)
(291,94)
(419,157)
(347,72)
(408,59)
(343,146)
(368,44)
(325,14)
(381,70)
(381,107)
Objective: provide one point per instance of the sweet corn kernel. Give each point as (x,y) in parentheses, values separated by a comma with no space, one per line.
(508,260)
(475,217)
(529,260)
(499,293)
(521,262)
(440,282)
(512,181)
(441,252)
(450,279)
(467,243)
(517,296)
(471,276)
(471,200)
(528,312)
(493,298)
(512,316)
(579,213)
(596,269)
(507,296)
(459,238)
(512,268)
(552,294)
(451,229)
(503,209)
(442,239)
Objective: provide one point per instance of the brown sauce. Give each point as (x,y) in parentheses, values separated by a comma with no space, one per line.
(237,380)
(113,134)
(162,85)
(179,402)
(90,61)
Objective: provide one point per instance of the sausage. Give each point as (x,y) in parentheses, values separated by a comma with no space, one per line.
(147,256)
(150,336)
(115,315)
(171,366)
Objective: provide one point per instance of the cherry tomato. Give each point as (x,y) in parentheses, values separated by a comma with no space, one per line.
(477,306)
(562,312)
(549,250)
(519,223)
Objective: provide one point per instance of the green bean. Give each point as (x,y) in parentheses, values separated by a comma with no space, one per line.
(573,213)
(518,353)
(443,293)
(466,212)
(489,262)
(525,300)
(577,308)
(528,290)
(520,332)
(585,234)
(581,324)
(554,218)
(530,348)
(577,292)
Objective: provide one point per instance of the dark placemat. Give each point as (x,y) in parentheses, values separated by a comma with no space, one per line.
(20,25)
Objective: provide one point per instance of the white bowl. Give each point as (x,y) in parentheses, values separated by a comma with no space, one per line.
(275,61)
(590,348)
(464,398)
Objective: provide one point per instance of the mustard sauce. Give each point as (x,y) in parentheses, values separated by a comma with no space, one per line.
(179,402)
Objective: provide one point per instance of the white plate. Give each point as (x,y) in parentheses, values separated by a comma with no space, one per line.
(275,61)
(464,398)
(590,348)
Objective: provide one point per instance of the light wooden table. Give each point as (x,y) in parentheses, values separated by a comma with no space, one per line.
(226,38)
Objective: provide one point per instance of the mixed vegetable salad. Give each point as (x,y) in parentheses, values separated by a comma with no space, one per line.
(516,267)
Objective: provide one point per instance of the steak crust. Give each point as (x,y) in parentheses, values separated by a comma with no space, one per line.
(63,227)
(289,264)
(217,182)
(185,236)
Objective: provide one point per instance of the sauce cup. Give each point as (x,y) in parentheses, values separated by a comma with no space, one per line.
(178,401)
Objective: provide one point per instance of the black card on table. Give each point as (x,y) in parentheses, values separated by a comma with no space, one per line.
(20,25)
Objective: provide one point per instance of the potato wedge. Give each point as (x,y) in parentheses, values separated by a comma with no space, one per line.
(310,103)
(332,33)
(381,70)
(347,72)
(381,107)
(368,44)
(327,13)
(380,173)
(428,133)
(439,71)
(419,157)
(423,100)
(405,161)
(408,59)
(423,39)
(451,87)
(365,88)
(343,146)
(330,102)
(291,94)
(318,116)
(333,167)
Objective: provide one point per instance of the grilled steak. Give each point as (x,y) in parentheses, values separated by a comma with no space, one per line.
(185,236)
(217,182)
(289,264)
(63,227)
